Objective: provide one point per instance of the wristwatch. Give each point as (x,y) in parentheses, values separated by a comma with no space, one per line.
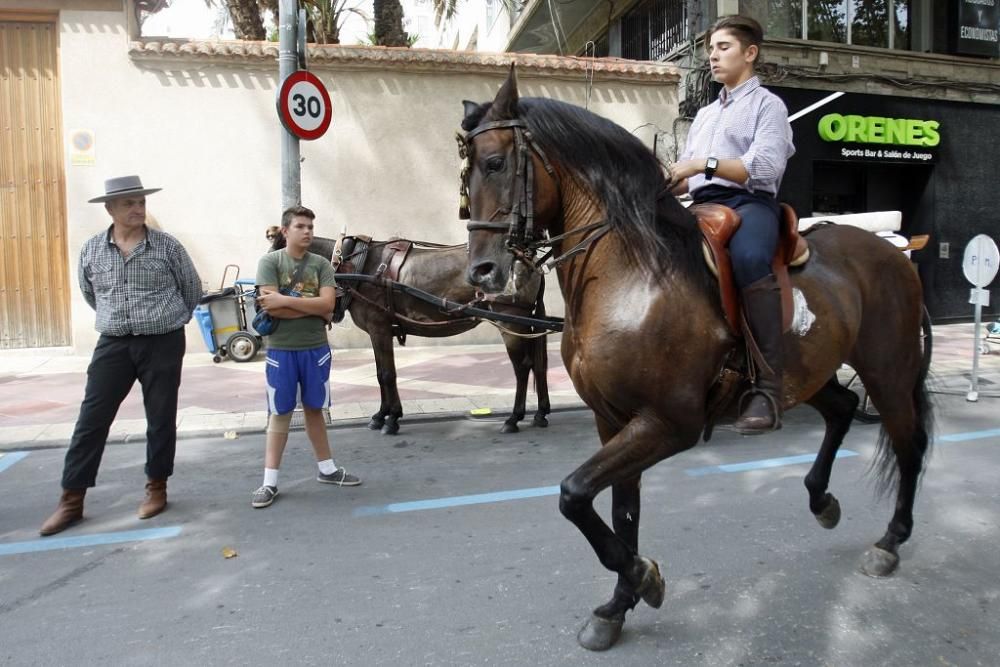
(711,164)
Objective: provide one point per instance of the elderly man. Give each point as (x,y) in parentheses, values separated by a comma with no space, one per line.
(143,286)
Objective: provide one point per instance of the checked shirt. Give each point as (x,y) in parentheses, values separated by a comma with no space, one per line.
(152,291)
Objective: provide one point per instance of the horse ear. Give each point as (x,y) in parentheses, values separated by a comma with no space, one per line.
(470,108)
(505,104)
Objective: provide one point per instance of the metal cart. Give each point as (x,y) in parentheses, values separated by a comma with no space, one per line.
(225,318)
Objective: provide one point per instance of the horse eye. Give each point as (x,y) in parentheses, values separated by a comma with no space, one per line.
(495,163)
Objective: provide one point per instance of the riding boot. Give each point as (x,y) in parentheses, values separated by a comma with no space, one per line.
(155,500)
(762,304)
(69,511)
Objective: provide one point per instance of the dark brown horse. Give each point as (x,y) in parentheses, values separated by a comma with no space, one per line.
(385,315)
(645,336)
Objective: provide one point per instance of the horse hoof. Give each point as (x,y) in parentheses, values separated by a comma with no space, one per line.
(540,421)
(651,588)
(600,634)
(878,562)
(830,516)
(390,428)
(509,428)
(376,424)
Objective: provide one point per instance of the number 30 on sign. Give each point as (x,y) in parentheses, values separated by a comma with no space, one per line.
(304,105)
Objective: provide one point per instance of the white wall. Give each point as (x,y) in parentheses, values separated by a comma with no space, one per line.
(205,129)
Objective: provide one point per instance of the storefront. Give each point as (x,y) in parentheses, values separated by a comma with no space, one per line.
(936,162)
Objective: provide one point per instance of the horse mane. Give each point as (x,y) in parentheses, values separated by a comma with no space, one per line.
(622,173)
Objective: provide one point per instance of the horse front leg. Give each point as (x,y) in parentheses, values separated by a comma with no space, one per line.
(540,368)
(619,463)
(519,359)
(836,404)
(391,408)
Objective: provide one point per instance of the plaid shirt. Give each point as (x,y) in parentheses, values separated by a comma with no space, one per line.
(152,291)
(749,123)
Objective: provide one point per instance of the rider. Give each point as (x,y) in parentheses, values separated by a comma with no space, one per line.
(736,154)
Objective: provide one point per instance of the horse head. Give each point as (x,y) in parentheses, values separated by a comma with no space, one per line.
(512,189)
(275,237)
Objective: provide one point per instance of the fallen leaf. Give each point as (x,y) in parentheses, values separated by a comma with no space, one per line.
(230,435)
(227,552)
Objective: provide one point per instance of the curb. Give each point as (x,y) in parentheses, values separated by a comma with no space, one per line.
(337,424)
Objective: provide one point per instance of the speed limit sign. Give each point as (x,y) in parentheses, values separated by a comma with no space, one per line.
(304,105)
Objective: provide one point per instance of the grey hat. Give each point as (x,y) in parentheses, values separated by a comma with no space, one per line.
(123,186)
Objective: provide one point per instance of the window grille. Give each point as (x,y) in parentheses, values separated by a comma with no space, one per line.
(654,29)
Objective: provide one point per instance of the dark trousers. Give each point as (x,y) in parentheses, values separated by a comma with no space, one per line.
(117,363)
(754,243)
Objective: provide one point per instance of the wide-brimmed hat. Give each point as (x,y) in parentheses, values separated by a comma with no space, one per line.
(122,186)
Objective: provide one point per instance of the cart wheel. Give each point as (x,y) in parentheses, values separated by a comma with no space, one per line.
(217,359)
(243,346)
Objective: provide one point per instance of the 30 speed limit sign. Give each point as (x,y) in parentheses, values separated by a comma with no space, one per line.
(304,105)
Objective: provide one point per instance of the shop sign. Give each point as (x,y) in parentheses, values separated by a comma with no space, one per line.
(977,28)
(882,139)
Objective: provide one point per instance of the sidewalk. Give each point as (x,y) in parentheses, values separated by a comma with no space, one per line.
(40,394)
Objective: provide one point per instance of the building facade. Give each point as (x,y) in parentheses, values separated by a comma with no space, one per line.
(894,103)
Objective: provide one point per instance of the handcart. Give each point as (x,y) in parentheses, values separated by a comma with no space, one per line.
(225,318)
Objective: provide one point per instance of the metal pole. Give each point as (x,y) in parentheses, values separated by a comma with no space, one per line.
(288,62)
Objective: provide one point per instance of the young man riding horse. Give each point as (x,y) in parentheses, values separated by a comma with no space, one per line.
(736,154)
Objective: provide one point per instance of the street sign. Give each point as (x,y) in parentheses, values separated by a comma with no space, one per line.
(981,261)
(304,105)
(979,296)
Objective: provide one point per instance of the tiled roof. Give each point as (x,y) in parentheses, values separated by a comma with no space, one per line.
(436,60)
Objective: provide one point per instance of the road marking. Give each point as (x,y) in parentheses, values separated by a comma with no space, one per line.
(456,501)
(10,458)
(971,435)
(537,492)
(53,543)
(762,464)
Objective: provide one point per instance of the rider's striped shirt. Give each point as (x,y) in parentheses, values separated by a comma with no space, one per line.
(750,123)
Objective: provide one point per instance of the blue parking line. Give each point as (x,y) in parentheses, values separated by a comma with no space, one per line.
(762,464)
(971,435)
(456,501)
(54,543)
(10,458)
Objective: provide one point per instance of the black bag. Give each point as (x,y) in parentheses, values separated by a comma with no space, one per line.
(263,323)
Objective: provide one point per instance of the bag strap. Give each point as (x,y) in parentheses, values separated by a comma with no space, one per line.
(299,270)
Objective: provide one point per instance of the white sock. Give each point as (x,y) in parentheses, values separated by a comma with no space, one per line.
(271,477)
(327,467)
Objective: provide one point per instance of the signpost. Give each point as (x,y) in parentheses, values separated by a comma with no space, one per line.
(979,264)
(304,105)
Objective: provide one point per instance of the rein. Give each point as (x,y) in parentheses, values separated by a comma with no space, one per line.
(522,239)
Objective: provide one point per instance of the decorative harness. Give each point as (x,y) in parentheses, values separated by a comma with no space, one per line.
(516,215)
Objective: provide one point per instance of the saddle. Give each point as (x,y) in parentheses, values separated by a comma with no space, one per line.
(718,223)
(354,251)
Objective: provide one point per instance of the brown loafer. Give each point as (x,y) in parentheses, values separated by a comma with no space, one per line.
(69,511)
(155,500)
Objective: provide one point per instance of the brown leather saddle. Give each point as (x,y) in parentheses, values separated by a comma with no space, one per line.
(718,223)
(354,253)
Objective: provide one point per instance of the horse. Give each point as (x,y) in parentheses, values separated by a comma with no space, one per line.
(646,339)
(439,270)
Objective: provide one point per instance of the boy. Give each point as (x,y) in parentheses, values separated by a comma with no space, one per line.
(297,288)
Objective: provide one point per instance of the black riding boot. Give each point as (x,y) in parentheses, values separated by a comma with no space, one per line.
(762,303)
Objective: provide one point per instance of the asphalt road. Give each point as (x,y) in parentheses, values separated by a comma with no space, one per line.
(389,574)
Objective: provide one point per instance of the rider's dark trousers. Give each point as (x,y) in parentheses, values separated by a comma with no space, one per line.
(117,363)
(754,243)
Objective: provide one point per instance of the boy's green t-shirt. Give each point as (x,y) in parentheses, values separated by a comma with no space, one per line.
(276,268)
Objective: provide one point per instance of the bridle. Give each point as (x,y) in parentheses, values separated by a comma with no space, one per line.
(515,215)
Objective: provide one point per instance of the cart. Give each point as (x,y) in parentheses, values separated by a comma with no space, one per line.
(225,318)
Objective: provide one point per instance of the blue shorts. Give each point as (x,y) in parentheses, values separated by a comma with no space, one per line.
(297,376)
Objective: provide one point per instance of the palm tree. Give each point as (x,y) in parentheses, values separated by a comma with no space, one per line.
(389,24)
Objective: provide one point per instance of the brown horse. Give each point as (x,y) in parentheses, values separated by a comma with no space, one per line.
(645,336)
(385,315)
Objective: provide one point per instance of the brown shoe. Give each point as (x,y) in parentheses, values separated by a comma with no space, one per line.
(69,511)
(156,499)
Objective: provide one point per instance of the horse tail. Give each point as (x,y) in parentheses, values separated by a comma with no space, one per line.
(885,465)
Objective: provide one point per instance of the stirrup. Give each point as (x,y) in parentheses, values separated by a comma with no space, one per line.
(772,402)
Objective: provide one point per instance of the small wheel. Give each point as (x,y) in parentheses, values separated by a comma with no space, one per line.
(243,346)
(217,359)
